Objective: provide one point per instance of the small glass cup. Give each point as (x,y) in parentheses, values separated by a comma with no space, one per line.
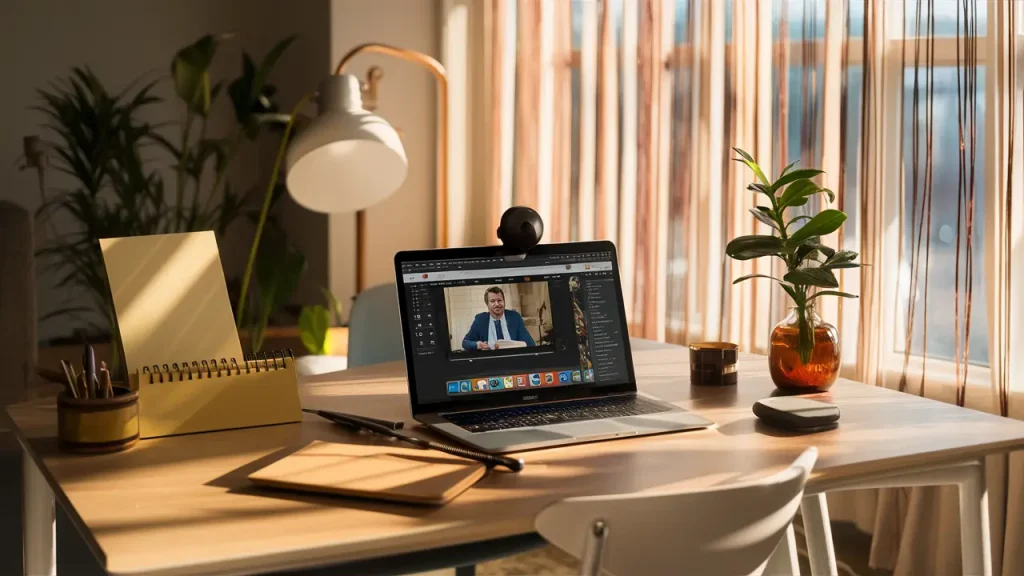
(713,363)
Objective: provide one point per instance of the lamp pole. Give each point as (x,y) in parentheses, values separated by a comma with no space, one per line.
(441,206)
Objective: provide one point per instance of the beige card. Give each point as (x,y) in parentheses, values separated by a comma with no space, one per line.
(378,472)
(171,298)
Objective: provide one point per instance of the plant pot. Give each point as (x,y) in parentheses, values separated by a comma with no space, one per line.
(788,370)
(312,365)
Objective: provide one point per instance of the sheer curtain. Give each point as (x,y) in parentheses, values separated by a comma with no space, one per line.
(615,119)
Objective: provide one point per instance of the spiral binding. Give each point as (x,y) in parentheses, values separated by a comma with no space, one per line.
(201,369)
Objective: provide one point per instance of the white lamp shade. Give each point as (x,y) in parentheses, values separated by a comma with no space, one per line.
(346,159)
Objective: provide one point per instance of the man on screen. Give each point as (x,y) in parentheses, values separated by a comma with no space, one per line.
(490,329)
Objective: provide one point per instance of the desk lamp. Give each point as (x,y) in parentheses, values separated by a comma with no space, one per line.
(348,158)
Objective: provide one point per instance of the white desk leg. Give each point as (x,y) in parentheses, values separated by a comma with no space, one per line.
(39,525)
(975,537)
(818,532)
(784,559)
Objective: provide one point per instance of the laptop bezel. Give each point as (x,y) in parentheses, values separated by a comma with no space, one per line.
(511,397)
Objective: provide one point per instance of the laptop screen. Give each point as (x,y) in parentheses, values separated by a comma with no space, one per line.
(492,331)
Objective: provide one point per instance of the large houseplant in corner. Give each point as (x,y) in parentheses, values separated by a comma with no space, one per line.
(804,350)
(119,185)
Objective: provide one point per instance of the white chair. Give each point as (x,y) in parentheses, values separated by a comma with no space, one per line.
(375,327)
(728,530)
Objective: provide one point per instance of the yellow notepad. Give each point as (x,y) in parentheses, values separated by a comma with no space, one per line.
(171,298)
(181,346)
(377,472)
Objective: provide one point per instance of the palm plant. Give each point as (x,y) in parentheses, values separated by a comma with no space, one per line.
(810,265)
(115,159)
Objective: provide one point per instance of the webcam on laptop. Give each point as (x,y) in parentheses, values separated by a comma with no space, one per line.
(520,229)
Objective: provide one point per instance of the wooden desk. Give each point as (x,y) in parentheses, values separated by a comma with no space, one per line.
(182,505)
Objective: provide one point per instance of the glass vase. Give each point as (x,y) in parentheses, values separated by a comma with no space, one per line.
(788,370)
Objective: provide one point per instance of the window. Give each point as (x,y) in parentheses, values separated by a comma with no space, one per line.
(933,280)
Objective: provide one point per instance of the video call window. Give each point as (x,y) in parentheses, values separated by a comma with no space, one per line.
(491,319)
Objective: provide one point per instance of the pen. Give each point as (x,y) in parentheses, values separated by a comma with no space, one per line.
(513,464)
(394,425)
(69,379)
(89,366)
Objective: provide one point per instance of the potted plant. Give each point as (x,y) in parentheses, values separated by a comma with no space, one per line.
(804,351)
(117,159)
(315,333)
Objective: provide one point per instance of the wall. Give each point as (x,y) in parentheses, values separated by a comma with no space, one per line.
(121,40)
(407,100)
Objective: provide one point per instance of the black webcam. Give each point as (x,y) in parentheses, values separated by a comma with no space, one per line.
(520,229)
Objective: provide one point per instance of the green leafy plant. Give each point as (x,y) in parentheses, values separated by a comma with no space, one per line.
(115,159)
(810,265)
(315,323)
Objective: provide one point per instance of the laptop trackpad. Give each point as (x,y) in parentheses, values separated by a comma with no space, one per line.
(590,428)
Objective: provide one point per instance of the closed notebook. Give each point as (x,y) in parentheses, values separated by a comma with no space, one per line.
(379,472)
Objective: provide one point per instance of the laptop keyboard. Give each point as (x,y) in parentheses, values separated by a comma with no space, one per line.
(554,413)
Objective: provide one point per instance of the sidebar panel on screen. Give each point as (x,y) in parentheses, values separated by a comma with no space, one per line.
(605,329)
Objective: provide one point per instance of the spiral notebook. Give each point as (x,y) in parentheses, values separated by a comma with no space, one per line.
(181,347)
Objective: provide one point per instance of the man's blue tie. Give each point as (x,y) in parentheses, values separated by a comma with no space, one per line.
(497,330)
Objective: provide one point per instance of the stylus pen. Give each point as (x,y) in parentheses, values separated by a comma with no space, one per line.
(392,424)
(513,464)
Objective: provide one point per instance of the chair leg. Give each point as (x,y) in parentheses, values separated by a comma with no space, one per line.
(784,559)
(975,537)
(594,553)
(818,532)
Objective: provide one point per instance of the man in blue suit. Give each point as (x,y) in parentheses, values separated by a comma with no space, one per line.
(496,324)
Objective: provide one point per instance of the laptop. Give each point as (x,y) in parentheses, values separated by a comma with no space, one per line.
(509,353)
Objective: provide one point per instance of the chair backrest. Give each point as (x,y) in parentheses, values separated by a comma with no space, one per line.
(730,529)
(18,340)
(375,327)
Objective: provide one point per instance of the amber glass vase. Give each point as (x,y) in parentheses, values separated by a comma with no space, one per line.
(787,370)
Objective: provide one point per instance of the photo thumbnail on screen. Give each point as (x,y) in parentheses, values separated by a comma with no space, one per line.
(490,317)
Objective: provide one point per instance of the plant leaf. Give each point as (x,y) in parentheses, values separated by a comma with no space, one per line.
(749,161)
(793,176)
(841,257)
(825,222)
(797,219)
(269,61)
(763,215)
(843,265)
(798,192)
(819,277)
(832,293)
(749,276)
(786,169)
(314,322)
(190,70)
(747,247)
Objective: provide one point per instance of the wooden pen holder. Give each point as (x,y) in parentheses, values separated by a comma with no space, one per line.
(98,425)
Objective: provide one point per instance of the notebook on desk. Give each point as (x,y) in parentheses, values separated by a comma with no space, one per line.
(378,472)
(181,347)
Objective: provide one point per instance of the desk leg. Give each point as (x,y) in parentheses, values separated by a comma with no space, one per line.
(784,559)
(975,536)
(38,522)
(818,532)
